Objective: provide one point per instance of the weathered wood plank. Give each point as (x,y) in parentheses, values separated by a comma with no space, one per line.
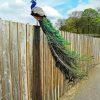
(41,62)
(31,30)
(2,63)
(19,62)
(1,54)
(37,68)
(58,84)
(28,59)
(14,61)
(46,67)
(6,59)
(52,77)
(62,76)
(22,62)
(53,66)
(49,73)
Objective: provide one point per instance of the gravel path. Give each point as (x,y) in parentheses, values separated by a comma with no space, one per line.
(91,89)
(88,90)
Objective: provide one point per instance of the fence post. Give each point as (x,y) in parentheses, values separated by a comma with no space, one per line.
(37,92)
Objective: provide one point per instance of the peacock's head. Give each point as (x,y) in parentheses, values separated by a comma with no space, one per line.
(33,3)
(36,12)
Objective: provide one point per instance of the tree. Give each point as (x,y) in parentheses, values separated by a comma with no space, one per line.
(88,17)
(98,25)
(71,24)
(91,13)
(87,23)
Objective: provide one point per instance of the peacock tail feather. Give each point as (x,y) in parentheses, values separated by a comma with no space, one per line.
(66,60)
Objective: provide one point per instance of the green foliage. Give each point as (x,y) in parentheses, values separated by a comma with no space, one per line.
(91,13)
(88,23)
(72,24)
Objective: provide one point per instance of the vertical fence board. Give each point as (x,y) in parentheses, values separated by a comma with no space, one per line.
(46,69)
(31,31)
(55,75)
(41,62)
(44,66)
(1,66)
(62,76)
(28,59)
(6,61)
(14,61)
(37,69)
(22,62)
(19,61)
(52,75)
(3,62)
(49,73)
(54,79)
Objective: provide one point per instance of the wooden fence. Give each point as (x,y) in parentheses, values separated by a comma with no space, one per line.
(27,68)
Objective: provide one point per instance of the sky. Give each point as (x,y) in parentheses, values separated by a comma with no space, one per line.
(19,10)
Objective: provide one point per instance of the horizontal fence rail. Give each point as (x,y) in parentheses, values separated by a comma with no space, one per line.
(27,68)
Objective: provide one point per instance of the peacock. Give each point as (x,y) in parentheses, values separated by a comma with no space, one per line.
(66,60)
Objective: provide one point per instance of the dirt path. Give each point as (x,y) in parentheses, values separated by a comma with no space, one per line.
(88,90)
